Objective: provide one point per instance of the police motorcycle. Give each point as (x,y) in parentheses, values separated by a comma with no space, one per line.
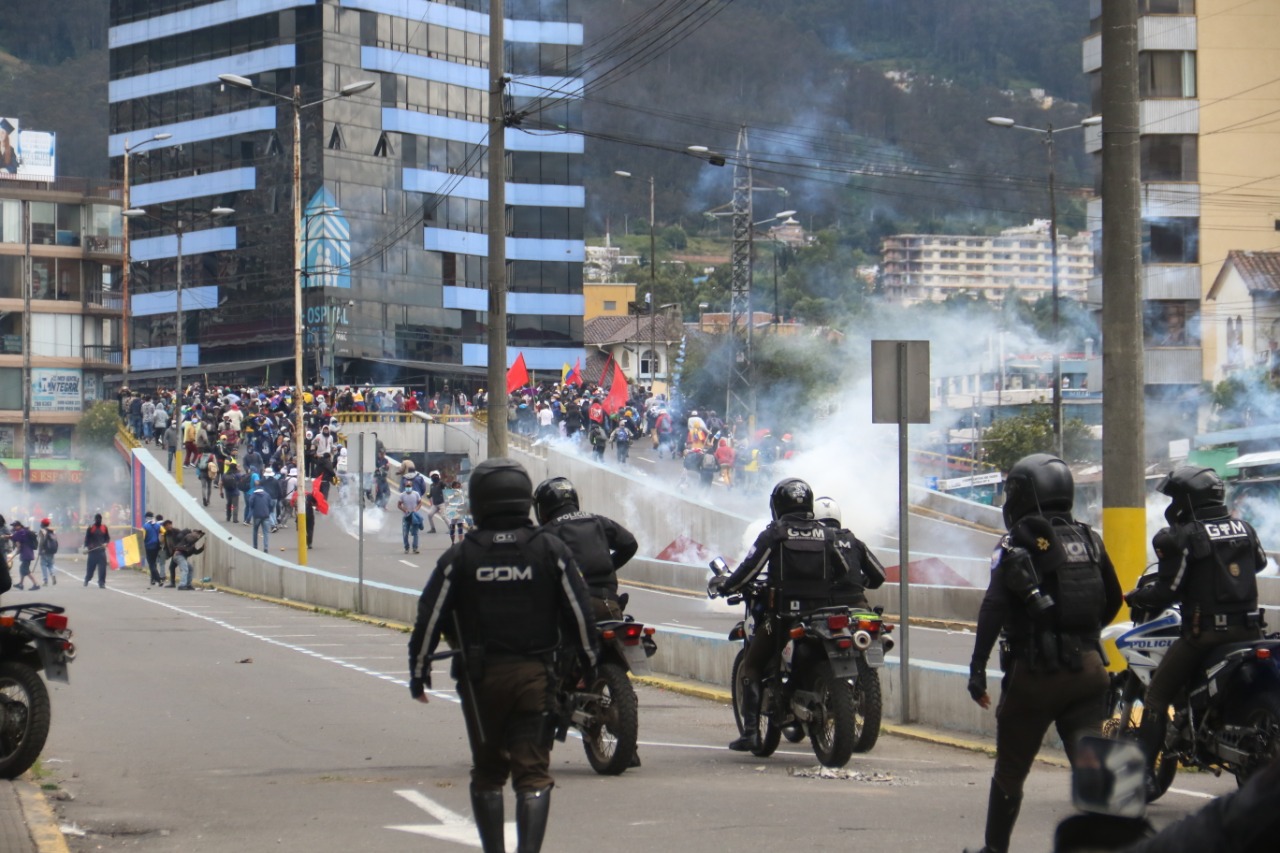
(33,637)
(602,704)
(825,684)
(1228,718)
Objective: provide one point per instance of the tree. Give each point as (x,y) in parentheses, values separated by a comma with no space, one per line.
(1009,439)
(95,434)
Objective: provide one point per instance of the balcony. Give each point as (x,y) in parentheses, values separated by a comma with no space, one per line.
(104,245)
(104,299)
(103,354)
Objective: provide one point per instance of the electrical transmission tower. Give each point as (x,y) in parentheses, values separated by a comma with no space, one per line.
(740,400)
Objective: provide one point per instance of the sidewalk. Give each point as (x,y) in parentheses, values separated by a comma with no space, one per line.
(27,823)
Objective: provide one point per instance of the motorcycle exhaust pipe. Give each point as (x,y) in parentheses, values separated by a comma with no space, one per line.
(861,640)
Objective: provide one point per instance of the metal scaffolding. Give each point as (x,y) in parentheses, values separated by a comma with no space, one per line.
(740,399)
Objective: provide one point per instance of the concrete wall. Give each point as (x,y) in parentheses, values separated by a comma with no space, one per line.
(416,433)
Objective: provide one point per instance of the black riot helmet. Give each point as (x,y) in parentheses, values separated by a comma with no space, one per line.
(552,496)
(790,496)
(1037,483)
(1191,488)
(500,487)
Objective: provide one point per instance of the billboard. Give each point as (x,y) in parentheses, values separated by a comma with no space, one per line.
(25,155)
(56,390)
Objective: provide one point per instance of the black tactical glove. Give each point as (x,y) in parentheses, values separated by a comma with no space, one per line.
(715,586)
(417,687)
(977,682)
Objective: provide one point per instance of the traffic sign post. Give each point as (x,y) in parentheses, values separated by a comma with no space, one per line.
(900,394)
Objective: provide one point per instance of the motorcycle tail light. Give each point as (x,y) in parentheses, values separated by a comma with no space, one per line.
(838,623)
(607,635)
(886,627)
(1262,654)
(649,632)
(6,621)
(631,634)
(55,621)
(797,632)
(844,643)
(738,633)
(868,625)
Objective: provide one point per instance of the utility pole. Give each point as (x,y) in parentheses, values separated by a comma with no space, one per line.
(1123,451)
(1057,322)
(739,399)
(27,282)
(497,402)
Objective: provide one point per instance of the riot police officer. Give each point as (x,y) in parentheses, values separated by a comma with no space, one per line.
(600,545)
(1052,589)
(509,597)
(803,565)
(865,571)
(1209,561)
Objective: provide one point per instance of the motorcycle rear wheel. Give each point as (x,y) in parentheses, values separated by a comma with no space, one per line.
(832,733)
(1263,712)
(24,718)
(770,734)
(867,708)
(611,744)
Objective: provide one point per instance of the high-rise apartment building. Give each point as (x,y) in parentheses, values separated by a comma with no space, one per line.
(1210,171)
(394,185)
(59,289)
(931,267)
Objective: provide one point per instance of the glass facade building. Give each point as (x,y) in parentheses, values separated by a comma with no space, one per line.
(394,185)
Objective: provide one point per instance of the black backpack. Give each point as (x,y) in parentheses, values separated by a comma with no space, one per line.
(50,543)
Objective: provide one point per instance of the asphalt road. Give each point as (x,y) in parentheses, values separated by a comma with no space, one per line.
(336,549)
(204,721)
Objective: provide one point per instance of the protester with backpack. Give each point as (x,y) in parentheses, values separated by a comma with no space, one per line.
(230,489)
(621,439)
(46,547)
(26,542)
(207,471)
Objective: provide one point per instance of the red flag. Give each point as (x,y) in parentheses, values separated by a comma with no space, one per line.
(617,392)
(317,497)
(604,374)
(517,375)
(574,377)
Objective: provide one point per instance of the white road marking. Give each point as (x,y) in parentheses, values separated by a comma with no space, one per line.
(410,565)
(1200,795)
(452,827)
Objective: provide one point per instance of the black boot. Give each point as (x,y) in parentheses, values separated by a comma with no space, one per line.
(1151,738)
(751,697)
(486,807)
(532,808)
(1002,814)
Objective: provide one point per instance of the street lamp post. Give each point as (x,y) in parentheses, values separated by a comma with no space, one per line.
(299,438)
(124,253)
(1048,133)
(180,227)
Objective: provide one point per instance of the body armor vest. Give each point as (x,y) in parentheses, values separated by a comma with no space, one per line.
(804,566)
(1221,567)
(587,539)
(508,592)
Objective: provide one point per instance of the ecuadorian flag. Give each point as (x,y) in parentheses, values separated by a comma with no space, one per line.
(125,551)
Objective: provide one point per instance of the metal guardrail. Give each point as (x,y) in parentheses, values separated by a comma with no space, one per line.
(103,354)
(126,438)
(397,417)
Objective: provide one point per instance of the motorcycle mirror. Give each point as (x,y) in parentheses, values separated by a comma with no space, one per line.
(1109,777)
(719,566)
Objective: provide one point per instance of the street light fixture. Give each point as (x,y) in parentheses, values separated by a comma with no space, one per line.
(299,438)
(124,253)
(1048,132)
(180,227)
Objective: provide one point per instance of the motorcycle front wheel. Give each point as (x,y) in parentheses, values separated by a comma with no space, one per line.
(1263,714)
(831,732)
(770,734)
(24,718)
(866,708)
(610,743)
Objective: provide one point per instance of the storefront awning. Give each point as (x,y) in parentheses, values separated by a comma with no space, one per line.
(45,470)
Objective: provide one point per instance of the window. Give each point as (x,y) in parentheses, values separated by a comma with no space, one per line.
(649,363)
(1167,74)
(1172,324)
(1166,7)
(1174,240)
(610,305)
(1170,157)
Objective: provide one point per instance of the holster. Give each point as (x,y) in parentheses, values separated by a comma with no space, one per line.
(469,664)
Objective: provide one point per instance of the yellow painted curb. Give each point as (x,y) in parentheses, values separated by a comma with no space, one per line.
(40,818)
(687,688)
(312,608)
